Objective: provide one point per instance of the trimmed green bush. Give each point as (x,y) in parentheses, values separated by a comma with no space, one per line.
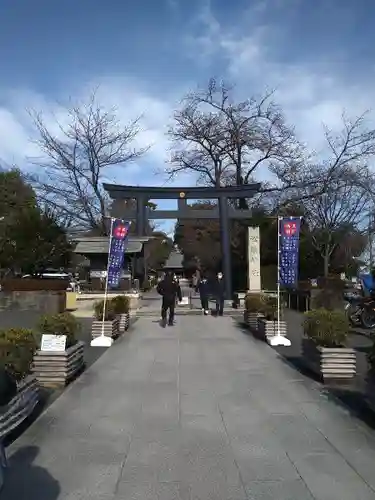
(270,308)
(121,304)
(110,313)
(17,349)
(60,324)
(326,328)
(146,285)
(254,302)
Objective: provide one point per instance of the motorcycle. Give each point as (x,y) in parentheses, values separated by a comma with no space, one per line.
(360,311)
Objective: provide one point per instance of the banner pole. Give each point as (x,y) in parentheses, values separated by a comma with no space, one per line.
(278,275)
(106,278)
(278,339)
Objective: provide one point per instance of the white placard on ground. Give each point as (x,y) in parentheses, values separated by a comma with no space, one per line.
(53,343)
(184,301)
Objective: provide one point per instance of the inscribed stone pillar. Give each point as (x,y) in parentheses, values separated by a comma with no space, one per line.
(253,259)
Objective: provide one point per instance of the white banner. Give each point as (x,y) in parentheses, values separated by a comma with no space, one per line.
(253,259)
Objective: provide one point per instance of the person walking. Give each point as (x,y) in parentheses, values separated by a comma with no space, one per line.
(169,289)
(202,288)
(219,293)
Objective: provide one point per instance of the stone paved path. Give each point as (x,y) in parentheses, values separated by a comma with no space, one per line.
(199,411)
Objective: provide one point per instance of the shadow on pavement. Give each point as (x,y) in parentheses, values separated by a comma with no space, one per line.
(350,396)
(353,401)
(26,481)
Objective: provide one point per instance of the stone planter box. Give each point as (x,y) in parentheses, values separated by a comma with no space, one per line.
(124,322)
(267,328)
(20,407)
(370,390)
(111,328)
(251,319)
(57,369)
(135,300)
(330,363)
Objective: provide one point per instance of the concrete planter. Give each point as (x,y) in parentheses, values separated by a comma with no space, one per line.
(124,322)
(267,328)
(330,363)
(251,319)
(135,300)
(111,328)
(57,369)
(370,390)
(20,407)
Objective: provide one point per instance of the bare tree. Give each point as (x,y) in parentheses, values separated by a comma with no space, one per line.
(354,145)
(77,158)
(342,208)
(348,151)
(198,144)
(227,142)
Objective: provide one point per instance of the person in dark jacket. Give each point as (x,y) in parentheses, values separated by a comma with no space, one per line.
(203,289)
(219,293)
(169,289)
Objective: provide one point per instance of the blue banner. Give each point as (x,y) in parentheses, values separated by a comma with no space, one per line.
(118,238)
(289,231)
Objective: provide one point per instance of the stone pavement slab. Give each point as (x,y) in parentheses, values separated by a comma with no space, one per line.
(199,411)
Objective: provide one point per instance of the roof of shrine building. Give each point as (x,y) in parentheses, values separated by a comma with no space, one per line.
(174,260)
(99,244)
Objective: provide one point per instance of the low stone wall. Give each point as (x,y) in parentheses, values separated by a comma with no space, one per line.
(135,298)
(43,301)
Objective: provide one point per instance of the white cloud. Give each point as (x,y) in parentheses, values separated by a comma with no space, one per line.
(17,132)
(310,94)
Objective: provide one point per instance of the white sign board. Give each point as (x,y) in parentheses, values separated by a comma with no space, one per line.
(53,343)
(184,301)
(253,259)
(98,274)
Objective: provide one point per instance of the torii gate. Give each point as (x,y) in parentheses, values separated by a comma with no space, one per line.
(224,212)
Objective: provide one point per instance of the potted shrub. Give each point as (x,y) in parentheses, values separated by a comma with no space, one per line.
(370,379)
(329,296)
(110,326)
(324,346)
(121,307)
(268,326)
(254,303)
(17,347)
(57,368)
(146,285)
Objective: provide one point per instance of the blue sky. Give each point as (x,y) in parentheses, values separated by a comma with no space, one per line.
(318,55)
